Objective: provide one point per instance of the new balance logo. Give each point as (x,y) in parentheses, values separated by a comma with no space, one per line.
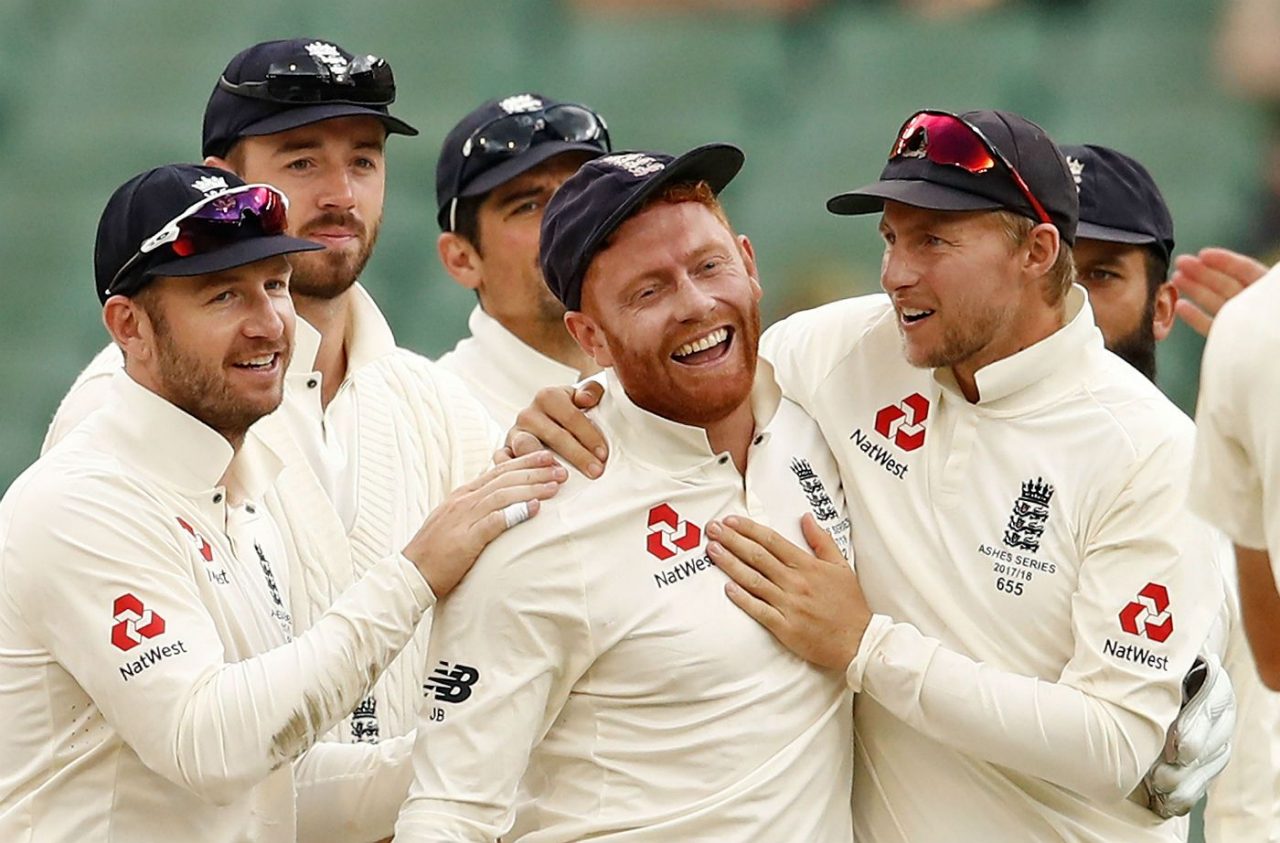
(669,534)
(903,423)
(1149,615)
(451,684)
(133,623)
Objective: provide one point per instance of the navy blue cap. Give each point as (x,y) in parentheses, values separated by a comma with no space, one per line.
(1119,200)
(230,116)
(919,182)
(146,203)
(595,201)
(461,173)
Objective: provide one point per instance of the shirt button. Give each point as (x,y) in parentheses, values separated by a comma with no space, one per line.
(312,383)
(724,459)
(758,439)
(249,508)
(217,497)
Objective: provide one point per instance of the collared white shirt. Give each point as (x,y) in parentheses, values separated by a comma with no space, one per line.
(149,680)
(1039,594)
(501,370)
(592,657)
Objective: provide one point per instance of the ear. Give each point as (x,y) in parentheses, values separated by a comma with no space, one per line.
(1163,312)
(460,259)
(1042,247)
(589,336)
(220,163)
(129,326)
(749,261)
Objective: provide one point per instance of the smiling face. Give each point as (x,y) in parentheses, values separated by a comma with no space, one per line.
(964,294)
(333,173)
(217,345)
(672,304)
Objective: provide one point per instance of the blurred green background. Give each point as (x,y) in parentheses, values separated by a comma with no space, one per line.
(96,90)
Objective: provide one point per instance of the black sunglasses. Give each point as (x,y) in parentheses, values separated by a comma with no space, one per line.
(366,80)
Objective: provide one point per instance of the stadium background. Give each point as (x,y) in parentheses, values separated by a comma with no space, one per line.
(96,90)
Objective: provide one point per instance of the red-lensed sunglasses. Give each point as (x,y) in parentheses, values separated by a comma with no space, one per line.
(949,140)
(215,222)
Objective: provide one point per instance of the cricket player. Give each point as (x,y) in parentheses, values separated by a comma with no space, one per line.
(150,677)
(497,169)
(1123,247)
(1235,463)
(591,662)
(1017,490)
(379,435)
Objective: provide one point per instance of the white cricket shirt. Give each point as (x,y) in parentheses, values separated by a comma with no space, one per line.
(592,658)
(1236,480)
(1038,594)
(149,680)
(501,370)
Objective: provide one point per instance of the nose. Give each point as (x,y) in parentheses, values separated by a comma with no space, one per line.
(336,191)
(896,270)
(693,303)
(267,316)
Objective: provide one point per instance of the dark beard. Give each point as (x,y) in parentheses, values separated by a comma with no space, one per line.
(1138,347)
(325,275)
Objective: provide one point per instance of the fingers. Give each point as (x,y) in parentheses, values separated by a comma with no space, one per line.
(760,611)
(503,454)
(588,395)
(1244,269)
(822,543)
(1194,316)
(757,544)
(520,444)
(556,422)
(495,523)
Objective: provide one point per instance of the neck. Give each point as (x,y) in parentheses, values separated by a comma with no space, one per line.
(330,317)
(1040,323)
(733,434)
(550,339)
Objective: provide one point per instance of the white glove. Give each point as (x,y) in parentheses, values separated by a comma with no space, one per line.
(1198,744)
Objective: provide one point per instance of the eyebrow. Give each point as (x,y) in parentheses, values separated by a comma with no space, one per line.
(302,144)
(531,192)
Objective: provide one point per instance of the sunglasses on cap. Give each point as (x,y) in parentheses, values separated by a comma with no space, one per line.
(512,134)
(366,80)
(214,223)
(951,141)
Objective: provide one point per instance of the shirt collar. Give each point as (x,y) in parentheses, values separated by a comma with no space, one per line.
(512,357)
(306,345)
(1042,370)
(368,334)
(176,449)
(668,445)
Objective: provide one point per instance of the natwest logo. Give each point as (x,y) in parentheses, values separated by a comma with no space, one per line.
(1149,615)
(200,542)
(669,534)
(133,623)
(903,423)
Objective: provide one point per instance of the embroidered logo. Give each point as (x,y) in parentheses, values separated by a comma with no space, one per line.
(451,684)
(133,622)
(328,55)
(209,184)
(1029,516)
(364,721)
(811,485)
(520,103)
(636,163)
(200,542)
(1077,170)
(903,423)
(669,534)
(1149,615)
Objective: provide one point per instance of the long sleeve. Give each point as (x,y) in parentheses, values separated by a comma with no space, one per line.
(90,391)
(351,792)
(506,648)
(1118,692)
(105,583)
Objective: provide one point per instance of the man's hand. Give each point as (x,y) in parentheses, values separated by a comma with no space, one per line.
(557,420)
(1208,280)
(811,603)
(476,513)
(1198,744)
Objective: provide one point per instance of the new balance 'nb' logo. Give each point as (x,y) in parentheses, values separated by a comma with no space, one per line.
(451,684)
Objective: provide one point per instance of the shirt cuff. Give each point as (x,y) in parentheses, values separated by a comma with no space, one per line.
(416,582)
(876,630)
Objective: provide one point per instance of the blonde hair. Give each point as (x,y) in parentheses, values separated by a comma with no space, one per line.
(1061,275)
